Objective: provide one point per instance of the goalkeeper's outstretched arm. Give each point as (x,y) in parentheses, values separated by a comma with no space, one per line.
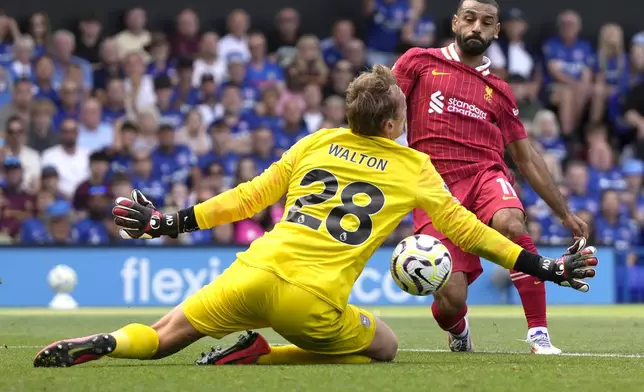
(138,218)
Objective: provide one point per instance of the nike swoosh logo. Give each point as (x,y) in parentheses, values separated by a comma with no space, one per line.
(537,282)
(509,197)
(437,73)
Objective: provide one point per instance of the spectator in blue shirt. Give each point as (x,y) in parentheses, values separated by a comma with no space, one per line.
(266,112)
(169,114)
(612,227)
(153,187)
(603,172)
(569,62)
(233,115)
(92,230)
(633,171)
(172,163)
(237,76)
(50,181)
(121,154)
(419,33)
(333,46)
(160,62)
(109,67)
(545,128)
(40,30)
(69,105)
(23,53)
(44,80)
(5,86)
(63,54)
(263,149)
(292,128)
(9,32)
(221,149)
(114,107)
(577,181)
(184,95)
(59,224)
(612,68)
(34,230)
(261,71)
(209,108)
(386,21)
(93,133)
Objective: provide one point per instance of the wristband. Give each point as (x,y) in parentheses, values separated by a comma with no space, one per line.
(187,220)
(531,264)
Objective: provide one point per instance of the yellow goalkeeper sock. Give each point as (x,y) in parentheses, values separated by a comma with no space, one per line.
(293,355)
(135,341)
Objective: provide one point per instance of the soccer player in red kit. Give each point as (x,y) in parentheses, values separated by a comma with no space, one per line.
(464,117)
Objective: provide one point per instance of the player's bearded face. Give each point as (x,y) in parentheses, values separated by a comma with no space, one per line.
(472,43)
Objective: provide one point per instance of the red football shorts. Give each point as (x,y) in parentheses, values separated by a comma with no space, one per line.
(484,195)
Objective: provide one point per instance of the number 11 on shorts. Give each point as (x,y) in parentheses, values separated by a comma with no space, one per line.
(507,188)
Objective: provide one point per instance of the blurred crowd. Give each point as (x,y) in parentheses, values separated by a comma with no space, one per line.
(186,114)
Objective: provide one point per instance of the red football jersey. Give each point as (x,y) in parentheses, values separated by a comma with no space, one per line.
(463,117)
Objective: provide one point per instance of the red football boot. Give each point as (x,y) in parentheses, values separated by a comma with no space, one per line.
(249,347)
(72,352)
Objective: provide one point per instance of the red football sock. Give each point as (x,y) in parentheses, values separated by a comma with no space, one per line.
(452,324)
(531,290)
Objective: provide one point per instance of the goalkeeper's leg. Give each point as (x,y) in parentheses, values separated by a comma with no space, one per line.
(134,341)
(319,333)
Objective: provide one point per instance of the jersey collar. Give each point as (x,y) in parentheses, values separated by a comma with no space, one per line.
(450,53)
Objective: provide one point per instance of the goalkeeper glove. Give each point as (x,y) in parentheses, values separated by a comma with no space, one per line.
(138,218)
(567,270)
(574,265)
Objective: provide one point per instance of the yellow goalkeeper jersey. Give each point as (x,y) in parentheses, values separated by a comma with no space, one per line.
(345,194)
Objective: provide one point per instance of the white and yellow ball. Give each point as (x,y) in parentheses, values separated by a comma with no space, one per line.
(421,265)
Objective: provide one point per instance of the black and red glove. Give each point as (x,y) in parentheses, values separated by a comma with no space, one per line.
(138,218)
(568,270)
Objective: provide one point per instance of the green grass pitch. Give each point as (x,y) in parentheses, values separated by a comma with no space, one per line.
(604,346)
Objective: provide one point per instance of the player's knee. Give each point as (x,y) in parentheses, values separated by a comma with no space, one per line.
(509,222)
(389,349)
(384,346)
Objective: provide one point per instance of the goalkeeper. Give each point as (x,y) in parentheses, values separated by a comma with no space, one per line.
(347,189)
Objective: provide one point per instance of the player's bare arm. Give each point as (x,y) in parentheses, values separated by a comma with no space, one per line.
(535,171)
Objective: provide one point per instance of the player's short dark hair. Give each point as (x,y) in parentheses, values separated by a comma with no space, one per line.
(371,101)
(488,2)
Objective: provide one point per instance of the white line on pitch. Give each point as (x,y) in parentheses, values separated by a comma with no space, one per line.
(597,355)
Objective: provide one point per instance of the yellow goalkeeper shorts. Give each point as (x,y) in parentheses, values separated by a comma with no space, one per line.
(245,297)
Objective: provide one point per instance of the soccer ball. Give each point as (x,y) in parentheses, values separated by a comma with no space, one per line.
(62,279)
(421,265)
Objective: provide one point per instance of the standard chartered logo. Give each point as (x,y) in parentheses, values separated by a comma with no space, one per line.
(166,286)
(436,104)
